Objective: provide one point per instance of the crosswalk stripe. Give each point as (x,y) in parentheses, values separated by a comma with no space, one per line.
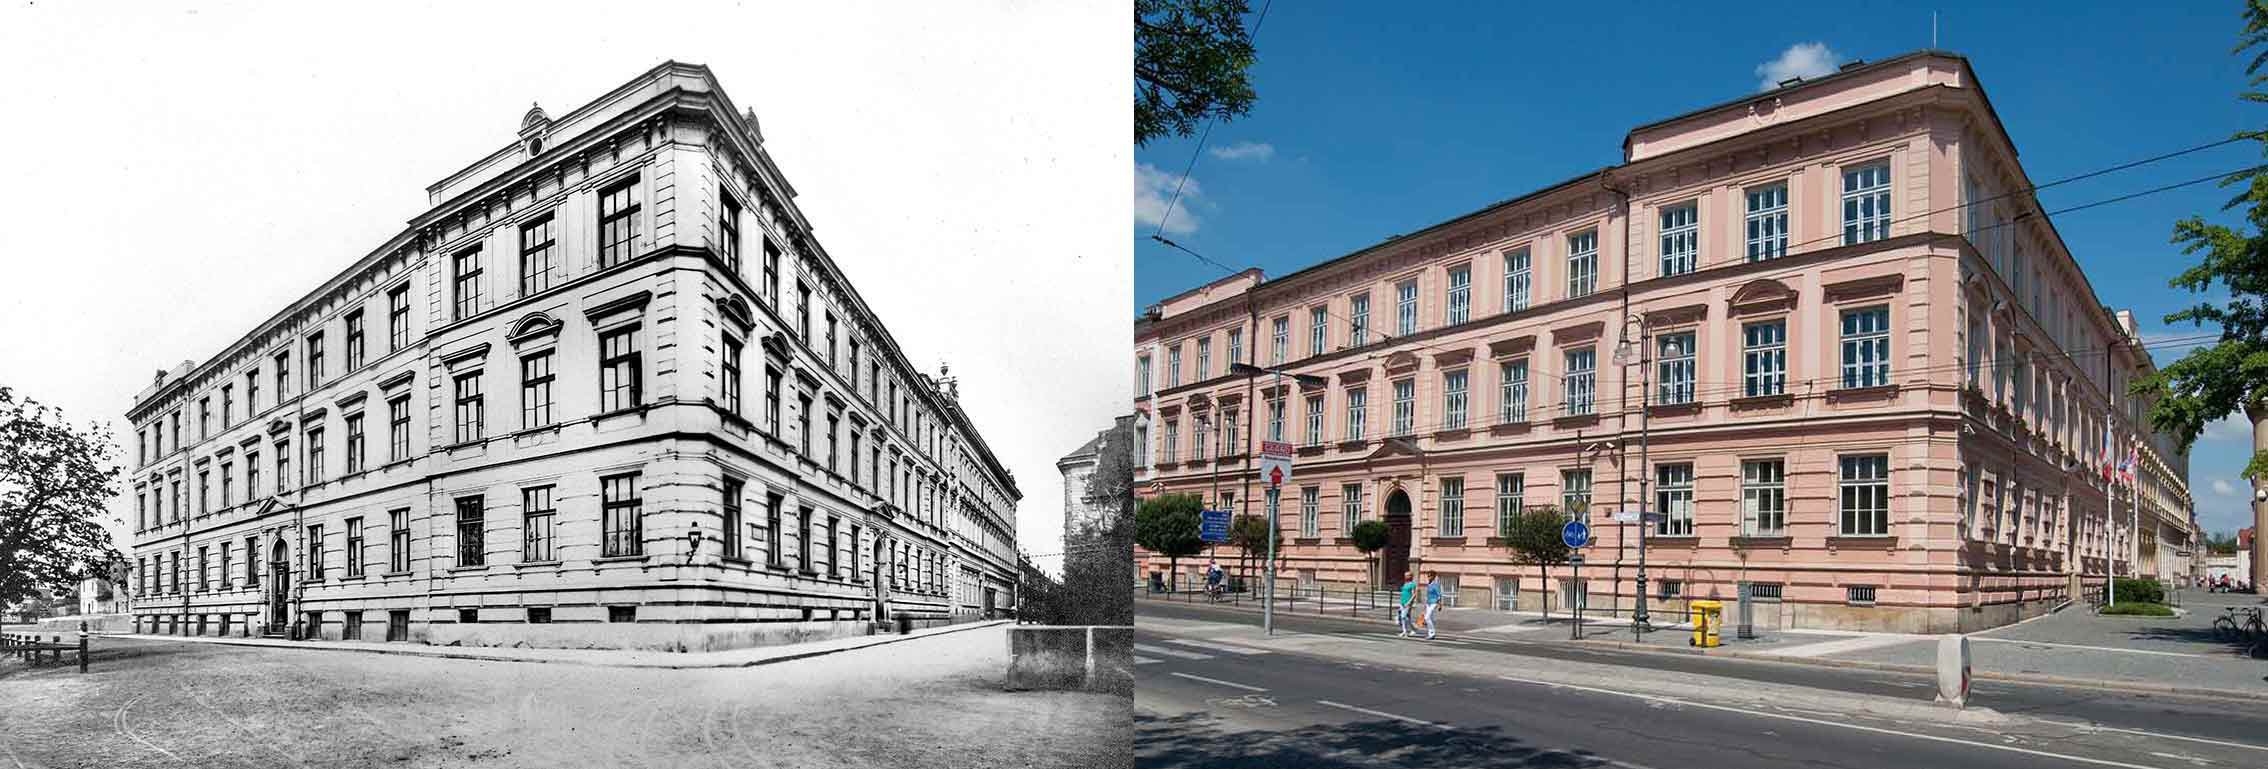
(1141,660)
(1219,647)
(1165,652)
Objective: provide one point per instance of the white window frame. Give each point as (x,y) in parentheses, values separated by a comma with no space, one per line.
(1866,203)
(1767,221)
(1358,323)
(1453,398)
(1317,331)
(1673,499)
(1583,263)
(1512,392)
(1763,497)
(1675,373)
(1460,294)
(1681,238)
(1405,406)
(1310,525)
(1764,358)
(1282,338)
(1350,506)
(1315,419)
(1405,308)
(1358,411)
(1866,346)
(1451,521)
(1510,488)
(1579,383)
(1516,280)
(1863,495)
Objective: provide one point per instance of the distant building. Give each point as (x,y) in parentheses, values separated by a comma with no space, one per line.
(1872,384)
(608,391)
(1078,467)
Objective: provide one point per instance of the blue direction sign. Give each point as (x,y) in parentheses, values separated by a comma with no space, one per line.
(1213,526)
(1575,534)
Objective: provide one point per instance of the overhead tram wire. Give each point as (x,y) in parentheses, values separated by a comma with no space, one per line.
(1249,36)
(1384,338)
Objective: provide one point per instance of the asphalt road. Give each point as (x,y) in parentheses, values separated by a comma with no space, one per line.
(1288,708)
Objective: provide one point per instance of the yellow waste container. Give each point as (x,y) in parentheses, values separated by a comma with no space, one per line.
(1708,617)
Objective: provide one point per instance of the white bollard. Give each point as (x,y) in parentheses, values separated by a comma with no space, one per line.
(1953,670)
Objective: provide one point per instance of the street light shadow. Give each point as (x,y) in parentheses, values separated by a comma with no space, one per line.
(1197,741)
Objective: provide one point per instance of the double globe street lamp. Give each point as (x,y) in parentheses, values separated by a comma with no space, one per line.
(1624,355)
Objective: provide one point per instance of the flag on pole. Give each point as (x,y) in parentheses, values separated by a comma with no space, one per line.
(2126,469)
(2107,457)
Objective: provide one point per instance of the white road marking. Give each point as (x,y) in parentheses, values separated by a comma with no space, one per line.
(2179,757)
(1230,684)
(1219,647)
(2084,646)
(1516,627)
(1141,660)
(1381,714)
(1838,646)
(1826,722)
(2223,743)
(1165,652)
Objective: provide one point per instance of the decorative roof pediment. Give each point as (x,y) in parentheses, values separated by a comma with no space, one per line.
(1761,295)
(533,326)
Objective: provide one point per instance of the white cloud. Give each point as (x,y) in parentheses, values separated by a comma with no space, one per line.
(2233,427)
(1152,191)
(1245,150)
(1806,60)
(2222,487)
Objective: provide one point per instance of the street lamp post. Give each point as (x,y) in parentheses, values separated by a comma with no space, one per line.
(1268,609)
(1644,354)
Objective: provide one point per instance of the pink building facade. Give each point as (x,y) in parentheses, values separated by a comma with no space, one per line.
(1812,328)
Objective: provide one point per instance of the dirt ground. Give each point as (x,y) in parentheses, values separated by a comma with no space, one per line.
(933,702)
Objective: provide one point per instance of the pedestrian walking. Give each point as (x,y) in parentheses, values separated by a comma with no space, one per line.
(1432,601)
(1402,606)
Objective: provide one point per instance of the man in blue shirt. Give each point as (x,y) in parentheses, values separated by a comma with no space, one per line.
(1402,608)
(1432,601)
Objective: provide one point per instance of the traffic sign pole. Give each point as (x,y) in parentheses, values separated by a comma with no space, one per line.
(1575,535)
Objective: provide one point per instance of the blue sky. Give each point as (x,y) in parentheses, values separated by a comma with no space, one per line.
(1371,123)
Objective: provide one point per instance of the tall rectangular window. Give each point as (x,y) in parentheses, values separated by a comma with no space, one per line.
(1460,294)
(535,390)
(621,516)
(728,231)
(1516,280)
(802,312)
(1673,361)
(1582,381)
(204,418)
(1673,498)
(354,350)
(1452,507)
(1350,507)
(251,403)
(1405,308)
(1358,407)
(397,541)
(831,345)
(803,424)
(1310,524)
(1235,348)
(1317,334)
(1281,339)
(283,467)
(1681,239)
(1575,494)
(356,459)
(1315,420)
(1866,347)
(1582,263)
(617,223)
(1763,498)
(1453,399)
(772,401)
(536,517)
(1405,406)
(472,409)
(315,553)
(228,402)
(1512,392)
(1204,436)
(619,369)
(464,282)
(353,548)
(251,479)
(771,287)
(1358,319)
(730,385)
(1764,358)
(539,256)
(397,324)
(283,390)
(804,539)
(1173,368)
(1511,488)
(1204,358)
(1865,487)
(1276,418)
(397,429)
(472,532)
(1767,222)
(1168,452)
(1866,204)
(227,485)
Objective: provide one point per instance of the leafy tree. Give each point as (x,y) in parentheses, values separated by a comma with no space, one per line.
(1370,537)
(1190,58)
(54,482)
(1099,553)
(2231,375)
(1168,525)
(1249,535)
(1039,597)
(2223,543)
(1534,538)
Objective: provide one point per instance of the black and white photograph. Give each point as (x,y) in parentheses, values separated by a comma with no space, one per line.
(565,384)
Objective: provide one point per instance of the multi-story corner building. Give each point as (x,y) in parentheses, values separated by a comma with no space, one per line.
(1823,331)
(1081,508)
(607,391)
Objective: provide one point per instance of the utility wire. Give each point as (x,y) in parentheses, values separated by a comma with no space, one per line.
(1249,36)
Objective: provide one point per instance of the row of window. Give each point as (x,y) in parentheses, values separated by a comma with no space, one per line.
(160,501)
(1866,218)
(1862,509)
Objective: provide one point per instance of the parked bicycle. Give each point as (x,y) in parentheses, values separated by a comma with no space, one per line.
(2240,623)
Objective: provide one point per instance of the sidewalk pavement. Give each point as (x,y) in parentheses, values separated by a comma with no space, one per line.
(621,658)
(2072,647)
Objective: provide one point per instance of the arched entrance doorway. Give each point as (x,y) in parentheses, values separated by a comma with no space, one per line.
(1394,561)
(279,587)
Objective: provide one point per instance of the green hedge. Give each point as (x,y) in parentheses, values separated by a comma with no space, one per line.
(2138,591)
(2139,609)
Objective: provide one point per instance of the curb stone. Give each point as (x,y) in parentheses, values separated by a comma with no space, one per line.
(432,651)
(2030,678)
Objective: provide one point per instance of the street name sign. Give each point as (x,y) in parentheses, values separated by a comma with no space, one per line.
(1212,525)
